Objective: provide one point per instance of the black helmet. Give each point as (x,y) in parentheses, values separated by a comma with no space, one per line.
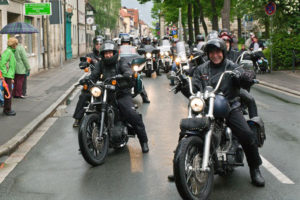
(108,46)
(216,43)
(200,38)
(148,39)
(125,39)
(97,40)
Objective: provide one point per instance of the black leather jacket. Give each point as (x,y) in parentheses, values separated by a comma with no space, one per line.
(208,74)
(233,55)
(115,67)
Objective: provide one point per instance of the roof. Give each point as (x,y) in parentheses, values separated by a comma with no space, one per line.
(123,13)
(135,14)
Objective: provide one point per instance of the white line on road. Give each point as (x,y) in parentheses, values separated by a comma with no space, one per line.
(278,174)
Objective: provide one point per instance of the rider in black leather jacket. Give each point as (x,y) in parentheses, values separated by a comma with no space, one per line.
(111,66)
(208,74)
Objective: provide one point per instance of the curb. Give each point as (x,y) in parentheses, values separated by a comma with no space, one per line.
(284,89)
(11,145)
(290,91)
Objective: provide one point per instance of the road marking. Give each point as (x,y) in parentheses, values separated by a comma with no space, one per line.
(273,170)
(16,157)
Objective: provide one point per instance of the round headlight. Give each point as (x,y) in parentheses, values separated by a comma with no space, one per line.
(148,55)
(183,58)
(135,68)
(167,53)
(177,60)
(197,104)
(96,92)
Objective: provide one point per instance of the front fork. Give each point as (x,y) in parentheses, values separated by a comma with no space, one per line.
(207,141)
(103,111)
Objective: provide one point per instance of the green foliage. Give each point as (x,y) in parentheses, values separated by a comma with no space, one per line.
(107,13)
(283,44)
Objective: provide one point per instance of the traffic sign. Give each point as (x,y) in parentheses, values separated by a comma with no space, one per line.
(270,8)
(37,9)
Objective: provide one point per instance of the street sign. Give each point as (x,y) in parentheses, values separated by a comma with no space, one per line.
(90,20)
(37,9)
(270,8)
(3,2)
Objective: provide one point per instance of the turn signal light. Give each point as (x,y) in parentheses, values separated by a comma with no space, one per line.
(114,82)
(89,60)
(86,69)
(135,75)
(85,87)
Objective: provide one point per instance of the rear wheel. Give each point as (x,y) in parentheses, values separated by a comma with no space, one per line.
(94,149)
(192,183)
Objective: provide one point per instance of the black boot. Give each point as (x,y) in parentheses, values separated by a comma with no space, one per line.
(256,177)
(144,146)
(145,96)
(76,123)
(171,178)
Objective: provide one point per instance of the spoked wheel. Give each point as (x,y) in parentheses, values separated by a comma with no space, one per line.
(191,183)
(94,149)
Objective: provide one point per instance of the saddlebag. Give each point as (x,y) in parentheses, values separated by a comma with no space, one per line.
(257,126)
(194,124)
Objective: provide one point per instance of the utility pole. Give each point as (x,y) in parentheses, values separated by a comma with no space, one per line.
(162,22)
(180,26)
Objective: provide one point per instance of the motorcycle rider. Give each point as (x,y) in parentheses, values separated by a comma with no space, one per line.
(200,42)
(111,66)
(208,74)
(126,41)
(85,96)
(232,55)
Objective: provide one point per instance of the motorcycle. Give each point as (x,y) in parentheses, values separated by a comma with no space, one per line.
(129,55)
(206,144)
(166,60)
(260,63)
(102,126)
(181,61)
(150,55)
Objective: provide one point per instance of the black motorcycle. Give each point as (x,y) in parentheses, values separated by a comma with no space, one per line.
(206,144)
(150,54)
(102,126)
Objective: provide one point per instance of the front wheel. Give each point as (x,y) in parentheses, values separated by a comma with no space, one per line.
(191,183)
(94,149)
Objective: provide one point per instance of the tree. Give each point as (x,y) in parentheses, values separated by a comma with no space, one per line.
(226,15)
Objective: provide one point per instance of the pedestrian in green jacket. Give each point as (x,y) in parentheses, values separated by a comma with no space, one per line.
(8,67)
(22,68)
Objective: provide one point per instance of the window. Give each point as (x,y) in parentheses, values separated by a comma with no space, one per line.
(28,37)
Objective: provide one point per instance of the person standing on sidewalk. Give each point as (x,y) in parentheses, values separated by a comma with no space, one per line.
(22,69)
(8,67)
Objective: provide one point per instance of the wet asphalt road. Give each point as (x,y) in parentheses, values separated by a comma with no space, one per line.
(54,168)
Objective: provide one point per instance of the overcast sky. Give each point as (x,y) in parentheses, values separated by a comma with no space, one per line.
(144,9)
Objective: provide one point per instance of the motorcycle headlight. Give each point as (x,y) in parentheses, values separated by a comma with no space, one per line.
(197,104)
(186,67)
(177,60)
(135,68)
(148,55)
(167,53)
(183,59)
(96,92)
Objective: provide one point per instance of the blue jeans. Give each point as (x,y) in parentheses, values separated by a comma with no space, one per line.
(1,95)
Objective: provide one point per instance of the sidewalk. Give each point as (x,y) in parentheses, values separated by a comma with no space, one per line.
(45,90)
(286,81)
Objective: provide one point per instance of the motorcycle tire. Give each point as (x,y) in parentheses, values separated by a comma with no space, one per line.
(188,158)
(87,140)
(148,73)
